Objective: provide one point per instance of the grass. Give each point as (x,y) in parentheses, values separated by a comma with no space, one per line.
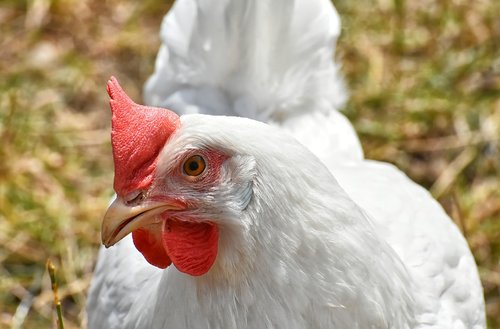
(424,78)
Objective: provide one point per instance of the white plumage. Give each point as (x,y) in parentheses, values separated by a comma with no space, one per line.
(269,61)
(339,242)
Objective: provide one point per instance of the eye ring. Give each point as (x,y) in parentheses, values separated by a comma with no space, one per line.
(194,166)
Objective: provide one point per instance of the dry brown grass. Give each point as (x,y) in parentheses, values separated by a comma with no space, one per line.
(425,86)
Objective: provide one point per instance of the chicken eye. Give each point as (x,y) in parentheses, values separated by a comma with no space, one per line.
(194,165)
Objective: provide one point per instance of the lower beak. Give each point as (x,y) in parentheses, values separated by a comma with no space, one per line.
(121,219)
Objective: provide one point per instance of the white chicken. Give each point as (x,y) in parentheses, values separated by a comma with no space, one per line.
(240,224)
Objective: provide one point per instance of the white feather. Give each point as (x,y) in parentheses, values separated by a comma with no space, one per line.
(266,60)
(433,250)
(270,61)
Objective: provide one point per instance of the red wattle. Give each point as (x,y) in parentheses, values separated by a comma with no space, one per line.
(149,243)
(192,246)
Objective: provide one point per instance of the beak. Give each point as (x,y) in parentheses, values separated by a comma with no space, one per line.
(121,219)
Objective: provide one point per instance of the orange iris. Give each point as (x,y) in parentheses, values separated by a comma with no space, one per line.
(194,165)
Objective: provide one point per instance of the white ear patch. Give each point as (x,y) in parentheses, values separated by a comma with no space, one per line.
(247,195)
(240,172)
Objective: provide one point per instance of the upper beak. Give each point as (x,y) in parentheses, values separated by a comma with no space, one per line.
(121,219)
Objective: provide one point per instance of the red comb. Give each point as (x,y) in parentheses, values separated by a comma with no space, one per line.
(138,134)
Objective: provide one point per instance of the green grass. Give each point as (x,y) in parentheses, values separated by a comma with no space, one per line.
(424,78)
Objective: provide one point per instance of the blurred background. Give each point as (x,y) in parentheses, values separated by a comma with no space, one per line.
(424,79)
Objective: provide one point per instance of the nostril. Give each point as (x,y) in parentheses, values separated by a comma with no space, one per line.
(134,198)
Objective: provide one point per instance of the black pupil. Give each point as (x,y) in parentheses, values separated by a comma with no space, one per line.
(193,165)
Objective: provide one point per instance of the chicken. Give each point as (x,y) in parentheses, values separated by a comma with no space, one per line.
(237,223)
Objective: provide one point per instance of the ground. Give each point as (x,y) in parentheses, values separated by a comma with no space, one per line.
(424,81)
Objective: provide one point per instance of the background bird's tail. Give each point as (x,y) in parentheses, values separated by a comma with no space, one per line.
(268,60)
